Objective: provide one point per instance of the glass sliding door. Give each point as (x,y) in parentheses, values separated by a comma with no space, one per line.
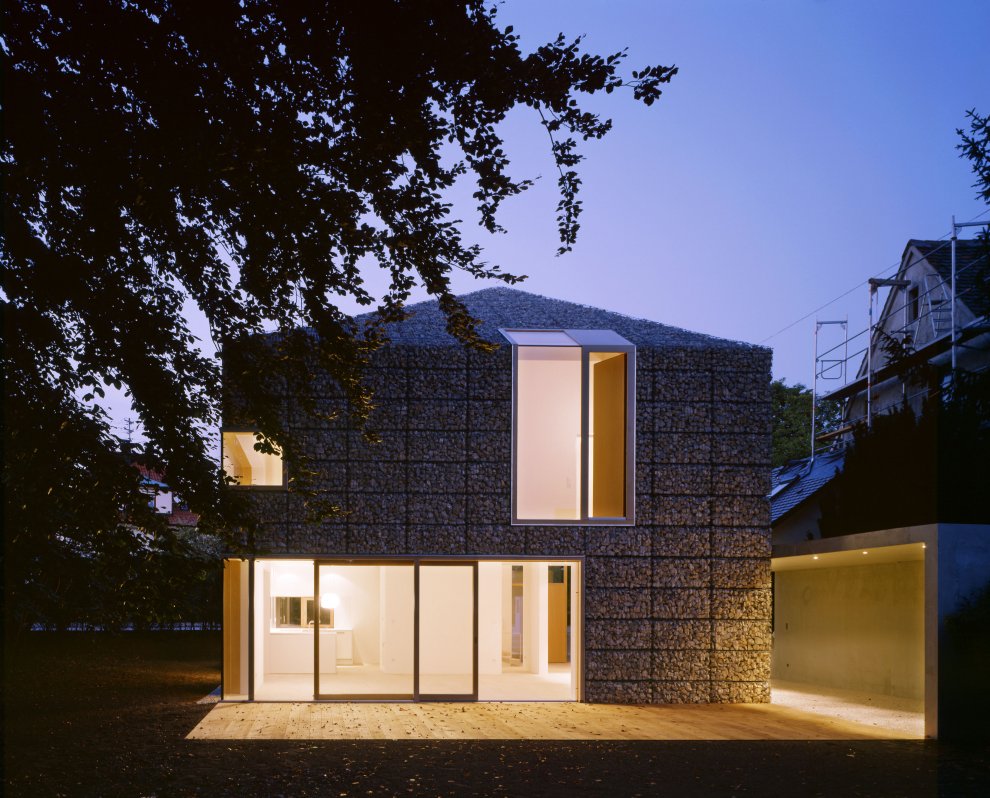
(447,630)
(364,625)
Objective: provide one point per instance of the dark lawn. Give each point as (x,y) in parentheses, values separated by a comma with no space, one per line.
(102,715)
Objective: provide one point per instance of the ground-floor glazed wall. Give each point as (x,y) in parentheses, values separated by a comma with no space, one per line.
(642,629)
(398,628)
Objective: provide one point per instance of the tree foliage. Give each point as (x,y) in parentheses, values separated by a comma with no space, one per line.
(908,470)
(791,414)
(975,147)
(252,160)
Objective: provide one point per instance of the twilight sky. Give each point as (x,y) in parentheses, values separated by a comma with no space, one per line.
(800,147)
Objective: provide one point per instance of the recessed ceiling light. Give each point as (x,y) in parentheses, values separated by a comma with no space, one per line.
(865,552)
(814,557)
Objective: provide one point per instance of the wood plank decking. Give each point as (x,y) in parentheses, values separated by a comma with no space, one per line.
(525,721)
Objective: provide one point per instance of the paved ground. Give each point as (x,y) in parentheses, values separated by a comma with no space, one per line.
(109,715)
(883,712)
(524,721)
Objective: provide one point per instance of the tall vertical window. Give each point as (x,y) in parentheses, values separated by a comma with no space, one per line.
(248,466)
(573,426)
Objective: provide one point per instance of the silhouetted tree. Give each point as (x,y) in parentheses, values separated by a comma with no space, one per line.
(910,470)
(249,159)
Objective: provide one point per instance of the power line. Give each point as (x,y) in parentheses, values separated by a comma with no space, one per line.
(858,286)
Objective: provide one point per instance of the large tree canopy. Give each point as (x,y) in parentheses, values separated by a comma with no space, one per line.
(250,158)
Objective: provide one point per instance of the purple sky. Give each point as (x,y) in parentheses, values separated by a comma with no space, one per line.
(800,147)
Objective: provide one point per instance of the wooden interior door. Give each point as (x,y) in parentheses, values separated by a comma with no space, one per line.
(557,617)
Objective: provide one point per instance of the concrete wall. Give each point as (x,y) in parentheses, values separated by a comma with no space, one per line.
(677,608)
(853,628)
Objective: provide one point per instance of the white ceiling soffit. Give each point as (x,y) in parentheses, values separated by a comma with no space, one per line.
(564,337)
(874,555)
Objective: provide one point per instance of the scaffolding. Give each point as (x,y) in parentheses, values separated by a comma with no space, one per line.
(930,328)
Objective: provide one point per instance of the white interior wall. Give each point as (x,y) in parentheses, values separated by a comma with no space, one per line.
(536,601)
(446,620)
(506,609)
(396,613)
(855,628)
(359,592)
(548,416)
(489,617)
(262,615)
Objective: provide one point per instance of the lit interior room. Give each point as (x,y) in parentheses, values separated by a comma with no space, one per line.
(365,616)
(246,465)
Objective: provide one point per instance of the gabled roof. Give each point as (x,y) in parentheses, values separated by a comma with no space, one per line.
(971,268)
(511,308)
(795,482)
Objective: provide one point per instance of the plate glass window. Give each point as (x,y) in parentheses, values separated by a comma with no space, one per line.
(573,429)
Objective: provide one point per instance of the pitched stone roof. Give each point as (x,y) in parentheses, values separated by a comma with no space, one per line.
(972,267)
(511,308)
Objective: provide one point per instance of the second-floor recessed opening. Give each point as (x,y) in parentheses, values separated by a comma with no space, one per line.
(573,428)
(246,465)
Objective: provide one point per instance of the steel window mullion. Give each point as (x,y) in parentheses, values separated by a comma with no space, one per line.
(250,662)
(316,630)
(416,695)
(585,430)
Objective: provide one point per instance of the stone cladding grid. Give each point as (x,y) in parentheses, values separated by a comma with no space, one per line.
(677,608)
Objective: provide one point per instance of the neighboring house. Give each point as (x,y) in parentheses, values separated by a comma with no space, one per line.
(795,494)
(917,316)
(916,322)
(578,515)
(866,612)
(162,499)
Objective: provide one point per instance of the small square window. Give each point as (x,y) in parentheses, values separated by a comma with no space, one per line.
(246,465)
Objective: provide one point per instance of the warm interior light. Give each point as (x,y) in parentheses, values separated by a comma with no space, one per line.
(248,466)
(548,432)
(329,601)
(865,552)
(814,556)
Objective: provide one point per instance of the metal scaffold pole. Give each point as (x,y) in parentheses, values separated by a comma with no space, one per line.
(822,372)
(956,227)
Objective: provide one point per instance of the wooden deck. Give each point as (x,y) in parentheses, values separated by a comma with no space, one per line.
(524,721)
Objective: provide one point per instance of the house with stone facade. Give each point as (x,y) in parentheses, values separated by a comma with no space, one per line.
(578,515)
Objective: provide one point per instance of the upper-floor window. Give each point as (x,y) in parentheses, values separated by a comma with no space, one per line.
(246,465)
(573,431)
(911,306)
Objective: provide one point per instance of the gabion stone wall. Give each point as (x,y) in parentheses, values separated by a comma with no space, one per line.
(677,607)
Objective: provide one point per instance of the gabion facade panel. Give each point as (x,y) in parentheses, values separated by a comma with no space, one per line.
(677,607)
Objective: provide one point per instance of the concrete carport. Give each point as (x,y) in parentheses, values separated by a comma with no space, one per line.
(866,613)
